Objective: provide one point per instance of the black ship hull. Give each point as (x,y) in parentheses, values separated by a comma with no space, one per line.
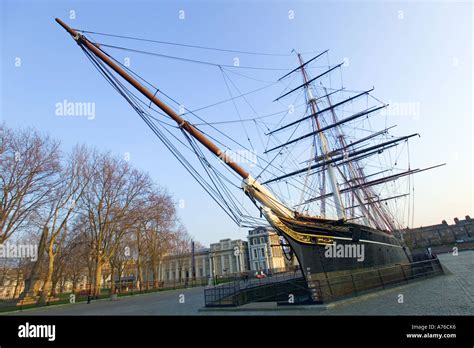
(321,247)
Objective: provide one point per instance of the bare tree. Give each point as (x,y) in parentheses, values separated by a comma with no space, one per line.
(181,247)
(160,222)
(28,162)
(110,202)
(120,259)
(83,210)
(73,181)
(74,256)
(60,207)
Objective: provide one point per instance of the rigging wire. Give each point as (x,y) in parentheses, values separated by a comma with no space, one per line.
(194,110)
(189,59)
(237,109)
(217,189)
(189,111)
(190,46)
(231,99)
(121,89)
(193,113)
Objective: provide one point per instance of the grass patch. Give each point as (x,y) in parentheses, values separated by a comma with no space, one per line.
(64,298)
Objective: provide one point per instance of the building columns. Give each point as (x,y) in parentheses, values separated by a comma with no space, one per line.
(231,263)
(211,273)
(210,266)
(222,264)
(266,251)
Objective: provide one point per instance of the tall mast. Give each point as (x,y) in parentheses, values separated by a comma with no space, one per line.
(178,119)
(256,190)
(340,210)
(343,144)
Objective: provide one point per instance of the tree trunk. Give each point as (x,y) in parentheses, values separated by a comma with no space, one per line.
(112,279)
(120,279)
(62,284)
(54,285)
(98,277)
(4,273)
(89,276)
(147,277)
(32,282)
(139,273)
(49,277)
(17,282)
(155,275)
(74,283)
(57,278)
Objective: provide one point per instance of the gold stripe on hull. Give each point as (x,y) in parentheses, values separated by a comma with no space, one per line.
(304,237)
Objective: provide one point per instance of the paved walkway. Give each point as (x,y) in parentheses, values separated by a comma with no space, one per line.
(452,294)
(158,303)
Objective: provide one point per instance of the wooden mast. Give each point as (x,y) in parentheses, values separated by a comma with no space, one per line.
(81,40)
(324,145)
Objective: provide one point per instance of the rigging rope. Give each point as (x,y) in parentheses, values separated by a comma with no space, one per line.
(190,46)
(207,123)
(214,182)
(233,212)
(189,59)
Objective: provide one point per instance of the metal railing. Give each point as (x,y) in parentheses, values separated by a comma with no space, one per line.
(279,287)
(228,294)
(357,283)
(221,295)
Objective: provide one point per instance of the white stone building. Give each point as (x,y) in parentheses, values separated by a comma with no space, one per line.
(225,258)
(265,252)
(229,257)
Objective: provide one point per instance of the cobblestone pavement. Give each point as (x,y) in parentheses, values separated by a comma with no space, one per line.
(452,294)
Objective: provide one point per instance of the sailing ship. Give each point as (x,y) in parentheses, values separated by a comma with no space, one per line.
(348,208)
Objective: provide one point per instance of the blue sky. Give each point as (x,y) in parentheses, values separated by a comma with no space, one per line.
(412,52)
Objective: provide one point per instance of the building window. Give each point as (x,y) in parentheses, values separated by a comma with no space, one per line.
(255,253)
(263,252)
